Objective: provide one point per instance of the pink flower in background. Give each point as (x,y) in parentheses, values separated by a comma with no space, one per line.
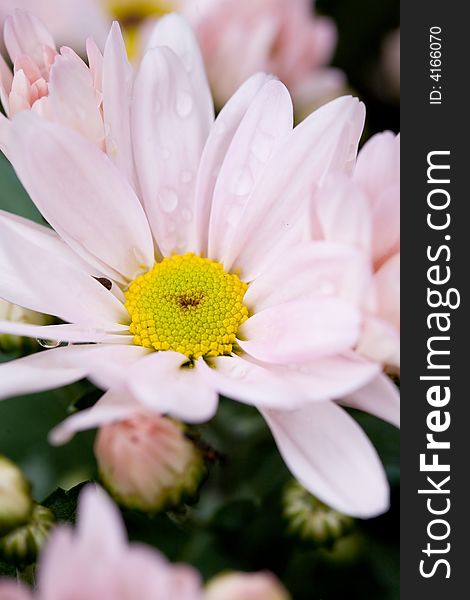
(199,286)
(284,37)
(69,21)
(95,562)
(364,212)
(92,99)
(246,586)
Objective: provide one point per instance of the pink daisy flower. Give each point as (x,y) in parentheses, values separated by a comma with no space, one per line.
(198,284)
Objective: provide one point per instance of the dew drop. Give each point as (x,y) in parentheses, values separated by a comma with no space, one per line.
(186,215)
(184,104)
(326,287)
(262,146)
(50,344)
(234,215)
(168,199)
(241,182)
(186,176)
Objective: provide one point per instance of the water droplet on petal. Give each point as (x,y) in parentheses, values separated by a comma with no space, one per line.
(187,58)
(186,215)
(186,176)
(242,182)
(326,287)
(262,146)
(184,104)
(49,344)
(168,199)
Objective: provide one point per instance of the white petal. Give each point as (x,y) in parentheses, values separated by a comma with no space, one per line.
(168,134)
(380,397)
(64,333)
(175,33)
(301,331)
(331,456)
(217,144)
(263,128)
(117,93)
(325,142)
(54,368)
(328,378)
(308,270)
(82,195)
(72,99)
(25,34)
(161,383)
(37,274)
(114,405)
(245,381)
(343,213)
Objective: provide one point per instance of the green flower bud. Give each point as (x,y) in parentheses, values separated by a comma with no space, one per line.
(311,520)
(16,503)
(147,462)
(22,545)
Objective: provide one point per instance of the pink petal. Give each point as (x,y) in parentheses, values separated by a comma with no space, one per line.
(95,62)
(380,397)
(331,456)
(309,270)
(301,331)
(343,214)
(168,134)
(161,383)
(73,99)
(387,281)
(380,341)
(100,528)
(325,142)
(243,380)
(328,378)
(263,128)
(175,33)
(117,92)
(114,405)
(12,590)
(64,333)
(54,368)
(218,142)
(378,163)
(37,273)
(25,34)
(82,195)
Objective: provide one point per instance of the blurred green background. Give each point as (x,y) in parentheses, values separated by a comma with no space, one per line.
(238,522)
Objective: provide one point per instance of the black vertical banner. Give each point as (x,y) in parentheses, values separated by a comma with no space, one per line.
(435,124)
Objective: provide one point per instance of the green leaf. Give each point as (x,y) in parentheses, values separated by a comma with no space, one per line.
(64,503)
(13,197)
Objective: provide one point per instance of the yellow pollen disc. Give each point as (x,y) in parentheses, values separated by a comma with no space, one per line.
(132,13)
(187,304)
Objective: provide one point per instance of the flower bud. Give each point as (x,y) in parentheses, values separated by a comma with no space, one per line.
(246,586)
(15,497)
(23,545)
(147,462)
(311,520)
(17,314)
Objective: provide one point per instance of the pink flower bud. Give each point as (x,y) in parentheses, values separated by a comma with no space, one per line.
(246,586)
(148,463)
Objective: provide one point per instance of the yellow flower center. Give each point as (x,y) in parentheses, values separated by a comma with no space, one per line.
(187,304)
(132,13)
